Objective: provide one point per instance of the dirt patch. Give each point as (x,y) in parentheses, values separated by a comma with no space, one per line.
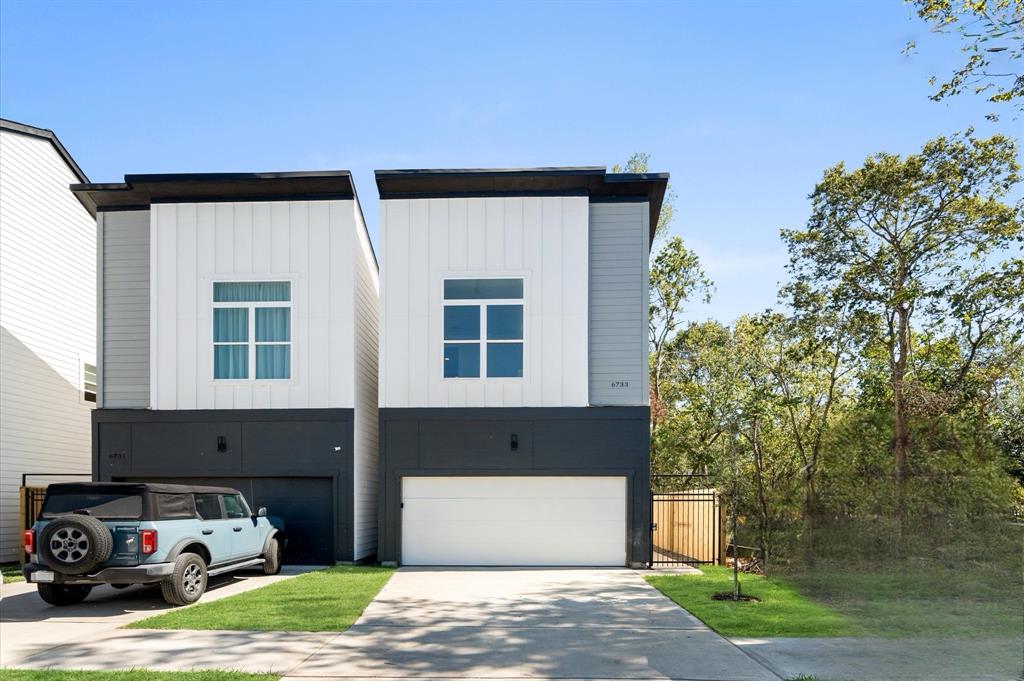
(727,596)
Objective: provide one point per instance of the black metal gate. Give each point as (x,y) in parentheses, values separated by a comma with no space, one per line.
(686,524)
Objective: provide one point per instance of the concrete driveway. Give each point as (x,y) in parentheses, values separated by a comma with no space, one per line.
(527,623)
(31,628)
(425,623)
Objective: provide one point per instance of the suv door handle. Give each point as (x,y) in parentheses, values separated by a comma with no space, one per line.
(207,531)
(237,529)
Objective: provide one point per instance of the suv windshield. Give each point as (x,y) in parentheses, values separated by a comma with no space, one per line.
(104,505)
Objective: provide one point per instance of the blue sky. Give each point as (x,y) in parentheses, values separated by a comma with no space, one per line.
(743,103)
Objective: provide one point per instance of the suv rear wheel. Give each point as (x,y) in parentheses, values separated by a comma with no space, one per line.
(187,582)
(75,544)
(58,594)
(272,558)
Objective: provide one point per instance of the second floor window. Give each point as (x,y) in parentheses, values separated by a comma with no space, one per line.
(483,328)
(252,330)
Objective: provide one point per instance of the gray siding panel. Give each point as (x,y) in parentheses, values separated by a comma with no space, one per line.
(618,303)
(124,360)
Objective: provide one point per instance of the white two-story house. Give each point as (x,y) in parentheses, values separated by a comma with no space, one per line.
(47,320)
(513,366)
(237,346)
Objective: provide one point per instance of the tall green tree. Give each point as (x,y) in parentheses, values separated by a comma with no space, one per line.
(900,237)
(992,38)
(639,163)
(676,278)
(698,388)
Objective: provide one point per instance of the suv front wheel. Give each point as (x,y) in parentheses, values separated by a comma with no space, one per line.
(187,582)
(272,558)
(58,594)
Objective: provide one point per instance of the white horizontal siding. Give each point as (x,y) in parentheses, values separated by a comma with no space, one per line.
(47,322)
(310,243)
(542,239)
(618,303)
(124,295)
(366,456)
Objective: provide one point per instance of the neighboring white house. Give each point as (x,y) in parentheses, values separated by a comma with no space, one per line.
(47,315)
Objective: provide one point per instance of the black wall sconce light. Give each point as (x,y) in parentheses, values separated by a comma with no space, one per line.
(222,443)
(514,442)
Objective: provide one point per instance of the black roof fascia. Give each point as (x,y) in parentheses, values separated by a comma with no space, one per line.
(49,135)
(145,189)
(592,181)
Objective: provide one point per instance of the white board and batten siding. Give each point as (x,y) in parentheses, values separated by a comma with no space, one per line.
(541,239)
(514,520)
(312,244)
(619,245)
(48,320)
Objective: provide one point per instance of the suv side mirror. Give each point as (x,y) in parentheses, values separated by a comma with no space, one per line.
(262,512)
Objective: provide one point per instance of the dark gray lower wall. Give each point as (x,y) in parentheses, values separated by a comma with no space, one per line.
(298,462)
(550,441)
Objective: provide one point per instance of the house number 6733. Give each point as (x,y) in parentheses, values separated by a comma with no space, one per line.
(620,384)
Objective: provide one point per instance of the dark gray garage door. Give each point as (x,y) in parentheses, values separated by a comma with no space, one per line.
(305,504)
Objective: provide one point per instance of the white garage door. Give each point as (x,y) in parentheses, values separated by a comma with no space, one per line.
(514,521)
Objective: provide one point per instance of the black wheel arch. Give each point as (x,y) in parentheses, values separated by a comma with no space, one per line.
(277,534)
(190,545)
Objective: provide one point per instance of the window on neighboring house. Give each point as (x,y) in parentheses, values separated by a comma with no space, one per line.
(252,330)
(88,382)
(483,328)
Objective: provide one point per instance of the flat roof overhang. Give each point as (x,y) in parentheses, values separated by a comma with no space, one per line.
(592,181)
(140,191)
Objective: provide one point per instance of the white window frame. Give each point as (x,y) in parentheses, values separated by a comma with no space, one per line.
(251,343)
(483,304)
(91,361)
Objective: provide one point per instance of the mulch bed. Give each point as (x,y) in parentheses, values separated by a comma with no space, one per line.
(727,596)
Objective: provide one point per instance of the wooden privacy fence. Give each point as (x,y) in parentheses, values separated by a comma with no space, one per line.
(686,527)
(30,505)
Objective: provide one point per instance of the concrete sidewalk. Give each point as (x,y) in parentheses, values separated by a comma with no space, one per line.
(886,659)
(34,634)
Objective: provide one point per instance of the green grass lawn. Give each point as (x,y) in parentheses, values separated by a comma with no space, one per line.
(781,611)
(966,602)
(11,572)
(129,675)
(326,600)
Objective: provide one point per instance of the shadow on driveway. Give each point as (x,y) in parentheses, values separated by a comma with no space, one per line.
(25,605)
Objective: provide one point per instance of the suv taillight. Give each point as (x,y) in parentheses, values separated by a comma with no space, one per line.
(29,539)
(147,538)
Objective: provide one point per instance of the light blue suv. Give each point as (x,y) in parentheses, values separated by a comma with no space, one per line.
(123,533)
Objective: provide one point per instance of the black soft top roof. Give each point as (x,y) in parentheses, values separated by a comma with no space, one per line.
(133,488)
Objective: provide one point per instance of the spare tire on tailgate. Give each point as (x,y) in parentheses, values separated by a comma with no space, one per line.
(75,544)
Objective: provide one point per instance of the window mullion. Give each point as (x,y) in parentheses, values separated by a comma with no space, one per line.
(252,342)
(483,340)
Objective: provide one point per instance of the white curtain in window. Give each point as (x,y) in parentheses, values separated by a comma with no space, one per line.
(273,361)
(273,324)
(251,291)
(230,361)
(230,325)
